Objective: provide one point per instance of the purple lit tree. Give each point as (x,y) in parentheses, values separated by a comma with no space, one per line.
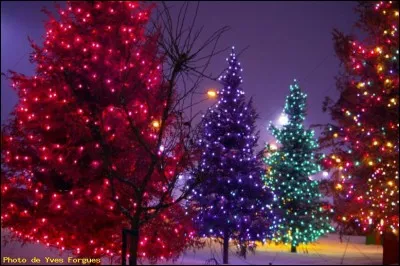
(232,202)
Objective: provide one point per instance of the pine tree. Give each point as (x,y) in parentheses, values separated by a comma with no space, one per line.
(299,216)
(87,152)
(231,202)
(364,135)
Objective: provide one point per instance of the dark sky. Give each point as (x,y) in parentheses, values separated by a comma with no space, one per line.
(286,40)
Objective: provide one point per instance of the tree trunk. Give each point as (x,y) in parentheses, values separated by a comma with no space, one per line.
(390,249)
(134,243)
(293,248)
(243,250)
(226,247)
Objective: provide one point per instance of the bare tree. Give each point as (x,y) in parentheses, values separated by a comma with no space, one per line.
(187,58)
(137,165)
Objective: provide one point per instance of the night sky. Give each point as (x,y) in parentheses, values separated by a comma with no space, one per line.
(286,40)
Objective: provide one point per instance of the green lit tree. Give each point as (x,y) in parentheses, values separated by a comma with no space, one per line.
(299,215)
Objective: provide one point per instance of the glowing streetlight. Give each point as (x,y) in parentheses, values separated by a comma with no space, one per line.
(212,93)
(273,147)
(283,119)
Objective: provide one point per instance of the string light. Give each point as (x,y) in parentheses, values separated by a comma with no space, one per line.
(296,195)
(367,146)
(56,180)
(232,197)
(156,124)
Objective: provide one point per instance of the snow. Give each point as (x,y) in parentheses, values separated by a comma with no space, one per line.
(326,251)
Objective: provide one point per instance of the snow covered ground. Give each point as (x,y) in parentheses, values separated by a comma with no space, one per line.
(327,251)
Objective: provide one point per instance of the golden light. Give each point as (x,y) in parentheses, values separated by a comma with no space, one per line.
(156,124)
(389,144)
(344,218)
(371,163)
(212,93)
(273,147)
(390,183)
(335,135)
(375,143)
(339,186)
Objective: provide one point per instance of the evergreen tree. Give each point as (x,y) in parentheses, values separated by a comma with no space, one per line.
(364,134)
(232,201)
(300,217)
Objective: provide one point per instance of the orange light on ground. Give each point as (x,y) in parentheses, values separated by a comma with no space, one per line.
(156,124)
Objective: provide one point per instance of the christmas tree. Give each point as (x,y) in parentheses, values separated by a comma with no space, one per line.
(231,202)
(300,217)
(89,150)
(364,135)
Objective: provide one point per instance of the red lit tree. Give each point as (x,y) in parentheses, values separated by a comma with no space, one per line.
(364,137)
(98,139)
